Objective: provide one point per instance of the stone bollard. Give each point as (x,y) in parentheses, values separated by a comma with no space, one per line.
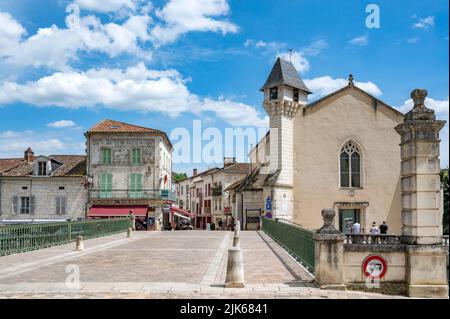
(235,269)
(129,233)
(80,243)
(236,241)
(237,228)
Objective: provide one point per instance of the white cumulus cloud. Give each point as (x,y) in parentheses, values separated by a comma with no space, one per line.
(325,85)
(181,16)
(62,124)
(136,88)
(424,23)
(359,41)
(105,6)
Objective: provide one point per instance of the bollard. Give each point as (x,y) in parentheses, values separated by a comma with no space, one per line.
(80,243)
(235,269)
(236,241)
(129,233)
(237,228)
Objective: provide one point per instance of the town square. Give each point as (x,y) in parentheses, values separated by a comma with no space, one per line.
(179,149)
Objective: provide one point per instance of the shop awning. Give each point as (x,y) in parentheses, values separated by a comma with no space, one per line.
(182,212)
(116,211)
(181,216)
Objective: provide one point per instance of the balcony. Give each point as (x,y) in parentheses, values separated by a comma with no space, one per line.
(128,194)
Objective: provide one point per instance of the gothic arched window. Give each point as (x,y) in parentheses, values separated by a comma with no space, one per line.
(350,165)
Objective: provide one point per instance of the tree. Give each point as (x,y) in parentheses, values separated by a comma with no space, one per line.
(444,183)
(179,177)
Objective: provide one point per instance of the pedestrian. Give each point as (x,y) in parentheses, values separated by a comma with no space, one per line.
(374,229)
(232,223)
(356,228)
(220,224)
(374,232)
(384,228)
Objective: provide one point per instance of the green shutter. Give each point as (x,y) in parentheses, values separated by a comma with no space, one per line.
(106,156)
(135,185)
(136,156)
(105,185)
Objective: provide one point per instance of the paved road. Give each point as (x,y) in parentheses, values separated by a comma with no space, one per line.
(177,264)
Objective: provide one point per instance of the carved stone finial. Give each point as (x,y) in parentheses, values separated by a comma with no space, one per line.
(350,79)
(418,96)
(328,215)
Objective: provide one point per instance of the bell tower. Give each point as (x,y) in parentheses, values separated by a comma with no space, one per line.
(284,94)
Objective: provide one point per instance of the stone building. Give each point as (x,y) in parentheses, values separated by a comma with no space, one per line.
(42,188)
(340,151)
(204,193)
(129,169)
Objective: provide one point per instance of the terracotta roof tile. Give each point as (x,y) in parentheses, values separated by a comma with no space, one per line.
(72,165)
(111,126)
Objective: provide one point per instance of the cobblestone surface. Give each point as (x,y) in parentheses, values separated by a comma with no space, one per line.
(180,264)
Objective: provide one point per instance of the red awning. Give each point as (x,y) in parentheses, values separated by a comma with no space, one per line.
(178,210)
(115,211)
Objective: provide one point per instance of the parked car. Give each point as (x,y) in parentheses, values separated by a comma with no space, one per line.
(184,224)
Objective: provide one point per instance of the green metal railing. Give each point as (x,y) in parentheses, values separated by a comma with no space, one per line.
(25,237)
(297,240)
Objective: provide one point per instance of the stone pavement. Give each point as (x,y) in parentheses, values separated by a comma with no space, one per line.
(172,264)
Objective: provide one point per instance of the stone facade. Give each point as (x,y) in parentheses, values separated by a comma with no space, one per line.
(204,193)
(45,191)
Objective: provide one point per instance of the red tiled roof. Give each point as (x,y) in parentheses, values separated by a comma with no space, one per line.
(71,165)
(9,163)
(110,126)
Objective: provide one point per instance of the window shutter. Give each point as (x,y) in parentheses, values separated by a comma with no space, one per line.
(32,204)
(57,205)
(63,205)
(139,182)
(109,182)
(15,204)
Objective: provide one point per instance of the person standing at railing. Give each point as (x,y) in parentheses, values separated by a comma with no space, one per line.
(356,228)
(374,232)
(384,228)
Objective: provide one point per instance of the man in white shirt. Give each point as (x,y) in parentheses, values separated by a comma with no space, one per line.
(356,228)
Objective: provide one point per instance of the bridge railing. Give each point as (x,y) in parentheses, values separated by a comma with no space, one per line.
(25,237)
(297,240)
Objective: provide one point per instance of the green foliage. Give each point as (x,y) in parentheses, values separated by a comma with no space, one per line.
(179,177)
(444,182)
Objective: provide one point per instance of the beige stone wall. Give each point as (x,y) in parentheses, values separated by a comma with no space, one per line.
(353,260)
(318,137)
(45,190)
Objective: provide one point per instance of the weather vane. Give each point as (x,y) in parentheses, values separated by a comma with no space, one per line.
(290,54)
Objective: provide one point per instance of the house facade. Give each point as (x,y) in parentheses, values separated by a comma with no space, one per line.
(204,193)
(42,188)
(129,169)
(340,151)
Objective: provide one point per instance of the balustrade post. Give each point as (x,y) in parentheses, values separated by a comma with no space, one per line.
(329,253)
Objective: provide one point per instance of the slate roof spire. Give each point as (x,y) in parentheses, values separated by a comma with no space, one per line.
(284,73)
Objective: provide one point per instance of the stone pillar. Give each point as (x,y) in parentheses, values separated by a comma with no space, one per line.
(329,253)
(420,167)
(426,266)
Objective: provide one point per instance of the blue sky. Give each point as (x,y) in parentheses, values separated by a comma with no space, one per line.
(164,64)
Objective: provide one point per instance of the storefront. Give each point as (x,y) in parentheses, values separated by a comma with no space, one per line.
(108,211)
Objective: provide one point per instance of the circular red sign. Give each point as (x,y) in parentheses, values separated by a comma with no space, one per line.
(374,266)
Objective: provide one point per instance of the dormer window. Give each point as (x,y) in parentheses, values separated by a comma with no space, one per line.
(274,93)
(42,168)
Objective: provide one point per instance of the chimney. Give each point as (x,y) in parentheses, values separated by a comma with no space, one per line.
(227,161)
(194,172)
(29,155)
